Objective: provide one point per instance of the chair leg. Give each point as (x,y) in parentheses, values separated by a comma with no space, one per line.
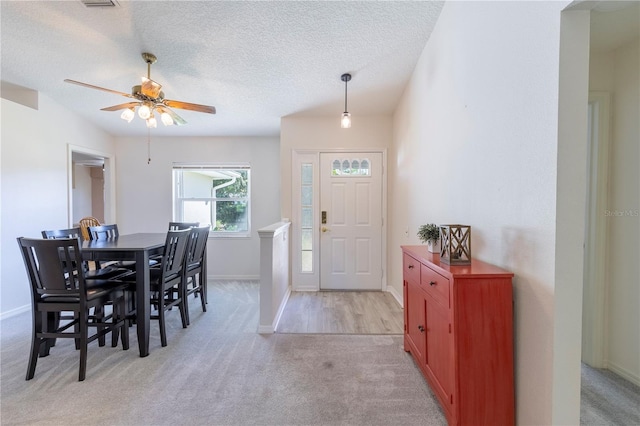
(52,342)
(115,332)
(130,306)
(185,300)
(204,288)
(99,314)
(35,345)
(125,335)
(184,315)
(50,323)
(163,330)
(84,332)
(203,297)
(122,316)
(76,328)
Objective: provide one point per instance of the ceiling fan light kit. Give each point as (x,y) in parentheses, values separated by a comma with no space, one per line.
(128,114)
(149,99)
(345,119)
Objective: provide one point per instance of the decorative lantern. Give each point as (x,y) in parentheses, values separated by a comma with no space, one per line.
(455,246)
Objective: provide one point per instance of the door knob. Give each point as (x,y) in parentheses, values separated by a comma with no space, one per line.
(325,229)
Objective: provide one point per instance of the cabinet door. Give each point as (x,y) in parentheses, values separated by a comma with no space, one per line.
(414,306)
(439,352)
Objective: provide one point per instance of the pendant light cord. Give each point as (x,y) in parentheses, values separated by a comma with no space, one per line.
(345,95)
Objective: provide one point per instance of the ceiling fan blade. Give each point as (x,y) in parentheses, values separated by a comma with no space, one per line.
(150,88)
(188,106)
(121,106)
(177,120)
(91,86)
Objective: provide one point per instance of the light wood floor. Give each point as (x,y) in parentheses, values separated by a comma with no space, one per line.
(342,312)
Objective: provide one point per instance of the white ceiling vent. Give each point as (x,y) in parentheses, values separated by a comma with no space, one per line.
(100,3)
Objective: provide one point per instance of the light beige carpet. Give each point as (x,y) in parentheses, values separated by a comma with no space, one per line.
(218,371)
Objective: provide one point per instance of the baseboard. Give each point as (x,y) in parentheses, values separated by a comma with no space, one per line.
(233,277)
(306,288)
(399,297)
(283,303)
(14,312)
(266,329)
(624,373)
(270,329)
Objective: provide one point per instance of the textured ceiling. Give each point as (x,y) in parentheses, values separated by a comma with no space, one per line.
(254,61)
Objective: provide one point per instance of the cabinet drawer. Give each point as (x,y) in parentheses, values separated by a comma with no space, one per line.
(411,269)
(435,285)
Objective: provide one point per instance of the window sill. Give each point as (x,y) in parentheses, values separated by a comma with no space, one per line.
(222,236)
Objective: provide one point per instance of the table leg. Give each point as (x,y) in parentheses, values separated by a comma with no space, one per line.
(143,301)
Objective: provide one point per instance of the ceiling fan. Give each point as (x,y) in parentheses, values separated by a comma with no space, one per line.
(149,99)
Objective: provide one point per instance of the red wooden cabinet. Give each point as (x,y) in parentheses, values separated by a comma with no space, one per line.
(459,330)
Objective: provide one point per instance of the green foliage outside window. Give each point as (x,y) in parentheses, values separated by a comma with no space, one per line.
(231,214)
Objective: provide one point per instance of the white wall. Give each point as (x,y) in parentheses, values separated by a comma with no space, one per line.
(617,72)
(97,193)
(34,182)
(144,191)
(82,187)
(475,142)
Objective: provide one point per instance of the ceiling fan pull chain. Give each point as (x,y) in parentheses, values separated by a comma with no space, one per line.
(148,146)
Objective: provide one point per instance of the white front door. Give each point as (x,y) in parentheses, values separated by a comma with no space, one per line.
(351,221)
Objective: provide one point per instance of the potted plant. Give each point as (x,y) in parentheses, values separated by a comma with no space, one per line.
(430,234)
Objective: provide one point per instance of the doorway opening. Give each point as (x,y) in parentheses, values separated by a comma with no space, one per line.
(91,185)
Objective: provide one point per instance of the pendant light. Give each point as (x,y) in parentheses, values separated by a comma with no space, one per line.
(345,121)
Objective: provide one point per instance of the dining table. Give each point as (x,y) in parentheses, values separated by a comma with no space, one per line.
(139,247)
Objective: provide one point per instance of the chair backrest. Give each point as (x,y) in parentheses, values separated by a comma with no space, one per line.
(55,234)
(174,226)
(174,251)
(103,232)
(52,267)
(84,225)
(197,245)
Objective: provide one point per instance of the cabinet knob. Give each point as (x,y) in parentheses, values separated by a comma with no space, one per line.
(410,266)
(421,328)
(432,283)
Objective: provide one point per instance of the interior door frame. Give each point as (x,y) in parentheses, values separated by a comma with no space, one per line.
(109,181)
(594,310)
(311,281)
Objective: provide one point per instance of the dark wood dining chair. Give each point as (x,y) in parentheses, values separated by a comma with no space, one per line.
(94,276)
(99,272)
(103,232)
(195,280)
(167,280)
(57,282)
(176,226)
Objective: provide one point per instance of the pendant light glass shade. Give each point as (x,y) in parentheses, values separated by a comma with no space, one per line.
(345,121)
